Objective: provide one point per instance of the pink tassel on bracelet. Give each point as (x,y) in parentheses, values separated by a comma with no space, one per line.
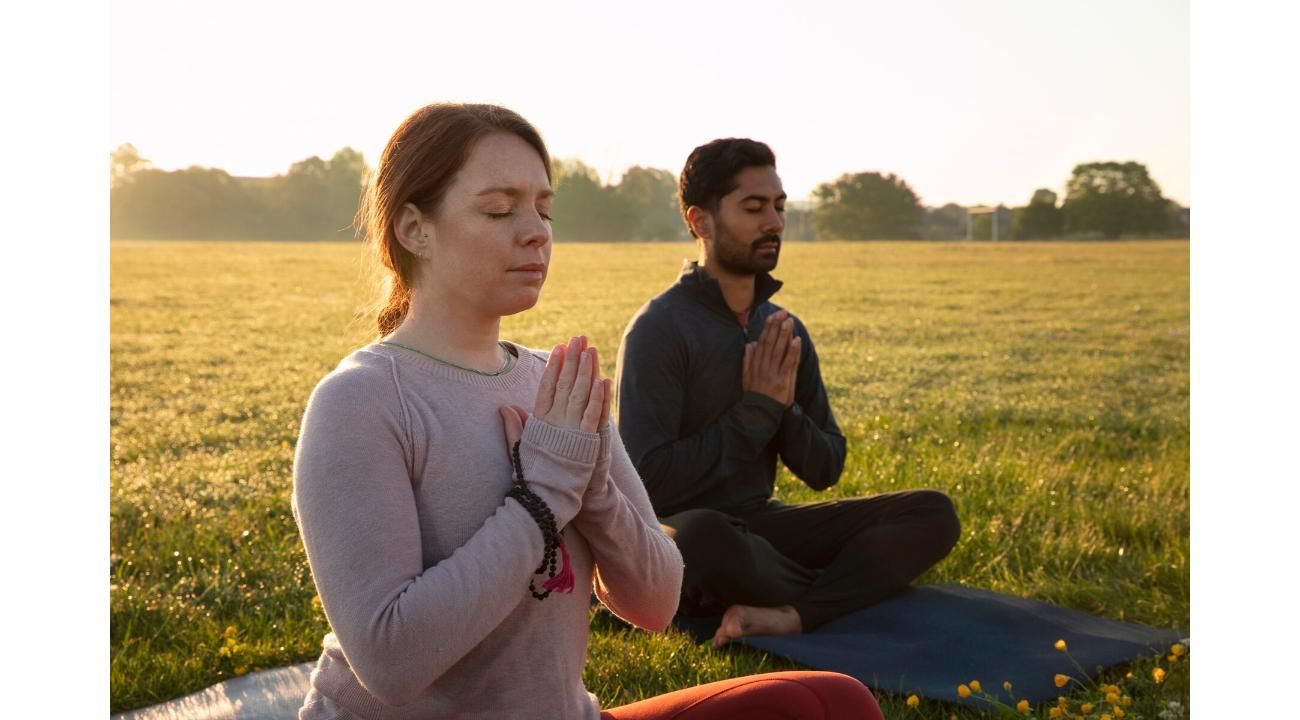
(562,582)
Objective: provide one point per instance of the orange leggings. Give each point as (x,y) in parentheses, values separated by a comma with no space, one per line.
(796,695)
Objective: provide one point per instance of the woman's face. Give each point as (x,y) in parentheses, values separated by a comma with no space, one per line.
(490,239)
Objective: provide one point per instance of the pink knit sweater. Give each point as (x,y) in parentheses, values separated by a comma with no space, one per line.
(423,568)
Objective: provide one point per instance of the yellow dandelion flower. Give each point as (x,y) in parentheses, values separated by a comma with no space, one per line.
(963,691)
(1023,707)
(1105,716)
(1172,659)
(1126,701)
(1178,649)
(1112,698)
(1055,712)
(231,631)
(1006,685)
(913,701)
(1085,708)
(1060,680)
(1062,701)
(1060,645)
(1119,711)
(1158,675)
(975,686)
(1128,676)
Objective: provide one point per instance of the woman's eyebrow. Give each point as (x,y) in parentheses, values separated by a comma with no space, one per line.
(513,192)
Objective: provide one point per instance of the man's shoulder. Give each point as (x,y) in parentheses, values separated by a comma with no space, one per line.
(660,313)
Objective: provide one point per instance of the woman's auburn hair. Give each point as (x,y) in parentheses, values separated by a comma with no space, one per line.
(417,166)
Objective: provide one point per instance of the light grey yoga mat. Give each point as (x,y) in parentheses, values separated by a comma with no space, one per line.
(267,695)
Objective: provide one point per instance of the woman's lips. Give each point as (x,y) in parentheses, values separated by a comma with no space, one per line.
(533,272)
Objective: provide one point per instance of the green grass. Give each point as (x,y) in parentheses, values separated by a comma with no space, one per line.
(1043,386)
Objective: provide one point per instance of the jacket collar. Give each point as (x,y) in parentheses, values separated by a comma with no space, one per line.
(708,292)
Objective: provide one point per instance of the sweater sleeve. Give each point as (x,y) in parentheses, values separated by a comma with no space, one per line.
(809,440)
(653,364)
(638,567)
(401,624)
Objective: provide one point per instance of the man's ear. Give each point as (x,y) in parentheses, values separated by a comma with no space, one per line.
(701,221)
(413,232)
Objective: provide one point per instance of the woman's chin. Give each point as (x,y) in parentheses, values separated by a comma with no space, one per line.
(519,303)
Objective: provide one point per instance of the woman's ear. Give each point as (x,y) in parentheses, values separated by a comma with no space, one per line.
(700,220)
(413,232)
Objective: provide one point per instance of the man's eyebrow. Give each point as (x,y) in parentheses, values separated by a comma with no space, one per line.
(512,192)
(762,198)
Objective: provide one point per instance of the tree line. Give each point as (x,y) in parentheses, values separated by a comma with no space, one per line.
(316,200)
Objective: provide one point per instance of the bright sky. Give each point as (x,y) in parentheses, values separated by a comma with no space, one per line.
(968,102)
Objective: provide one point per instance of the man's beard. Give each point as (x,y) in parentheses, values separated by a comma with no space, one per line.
(746,259)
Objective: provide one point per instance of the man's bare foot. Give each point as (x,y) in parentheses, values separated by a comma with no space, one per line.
(742,620)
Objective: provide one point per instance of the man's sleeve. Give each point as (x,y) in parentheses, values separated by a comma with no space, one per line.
(652,367)
(809,441)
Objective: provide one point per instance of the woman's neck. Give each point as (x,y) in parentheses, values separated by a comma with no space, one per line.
(454,334)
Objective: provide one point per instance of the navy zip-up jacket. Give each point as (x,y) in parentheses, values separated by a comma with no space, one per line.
(696,437)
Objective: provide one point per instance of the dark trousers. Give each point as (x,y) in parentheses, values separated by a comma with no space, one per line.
(825,559)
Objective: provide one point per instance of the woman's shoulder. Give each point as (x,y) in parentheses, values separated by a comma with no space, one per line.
(364,375)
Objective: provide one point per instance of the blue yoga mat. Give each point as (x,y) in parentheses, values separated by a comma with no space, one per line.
(929,639)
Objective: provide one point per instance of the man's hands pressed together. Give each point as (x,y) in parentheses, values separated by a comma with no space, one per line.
(772,362)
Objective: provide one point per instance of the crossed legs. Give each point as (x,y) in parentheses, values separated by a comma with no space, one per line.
(822,559)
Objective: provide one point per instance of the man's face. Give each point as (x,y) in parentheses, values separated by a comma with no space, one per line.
(748,223)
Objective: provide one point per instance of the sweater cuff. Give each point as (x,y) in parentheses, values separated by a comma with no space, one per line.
(791,418)
(567,443)
(770,407)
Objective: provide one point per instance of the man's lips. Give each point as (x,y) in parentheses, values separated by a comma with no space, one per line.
(530,267)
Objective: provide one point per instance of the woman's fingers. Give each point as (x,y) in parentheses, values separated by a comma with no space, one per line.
(607,386)
(513,426)
(546,388)
(564,384)
(580,390)
(596,407)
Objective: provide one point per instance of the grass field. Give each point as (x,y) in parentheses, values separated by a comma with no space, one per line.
(1043,386)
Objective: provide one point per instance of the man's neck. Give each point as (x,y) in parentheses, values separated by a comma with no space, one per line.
(737,290)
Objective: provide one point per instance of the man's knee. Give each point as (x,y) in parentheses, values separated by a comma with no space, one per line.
(710,541)
(941,517)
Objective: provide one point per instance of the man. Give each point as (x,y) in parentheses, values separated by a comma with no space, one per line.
(715,383)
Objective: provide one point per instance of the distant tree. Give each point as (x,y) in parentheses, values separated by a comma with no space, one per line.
(867,206)
(586,210)
(1114,199)
(944,223)
(1178,220)
(1040,220)
(345,175)
(123,163)
(650,194)
(195,203)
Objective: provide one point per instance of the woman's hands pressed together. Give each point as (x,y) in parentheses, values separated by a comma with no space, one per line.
(571,395)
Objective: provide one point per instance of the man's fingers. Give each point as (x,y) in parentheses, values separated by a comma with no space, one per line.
(791,362)
(747,368)
(546,388)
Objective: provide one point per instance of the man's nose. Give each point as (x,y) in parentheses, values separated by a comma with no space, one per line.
(773,222)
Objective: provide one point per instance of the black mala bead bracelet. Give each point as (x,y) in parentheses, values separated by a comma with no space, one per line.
(561,579)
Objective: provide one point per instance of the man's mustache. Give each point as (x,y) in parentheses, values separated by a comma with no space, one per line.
(766,240)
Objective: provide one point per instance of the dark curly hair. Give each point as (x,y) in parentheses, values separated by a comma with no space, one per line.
(710,171)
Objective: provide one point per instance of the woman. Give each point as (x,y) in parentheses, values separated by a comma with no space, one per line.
(423,529)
